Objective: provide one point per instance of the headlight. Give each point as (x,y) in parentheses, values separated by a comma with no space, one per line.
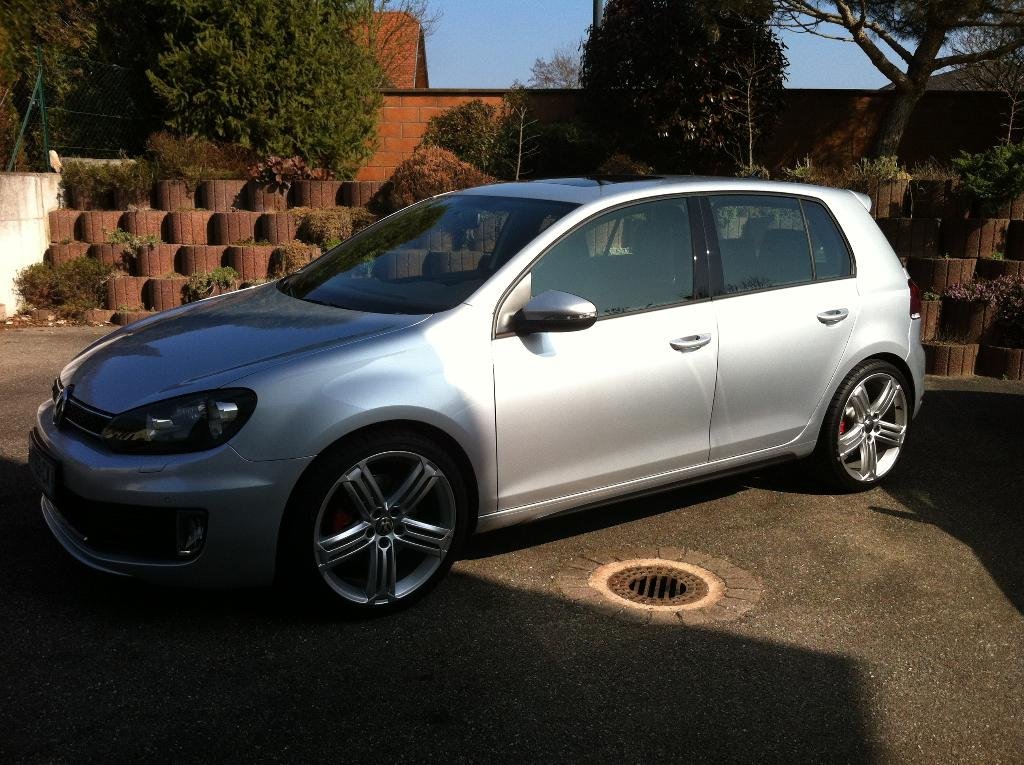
(183,424)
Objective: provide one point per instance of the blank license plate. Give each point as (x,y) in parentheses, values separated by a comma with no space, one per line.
(43,467)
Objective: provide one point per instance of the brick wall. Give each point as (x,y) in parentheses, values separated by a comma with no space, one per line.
(832,126)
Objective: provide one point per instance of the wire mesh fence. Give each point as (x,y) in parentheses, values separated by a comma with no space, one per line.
(80,108)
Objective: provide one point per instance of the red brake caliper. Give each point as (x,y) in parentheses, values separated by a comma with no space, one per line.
(842,426)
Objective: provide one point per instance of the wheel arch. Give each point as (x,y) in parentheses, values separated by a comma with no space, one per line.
(901,365)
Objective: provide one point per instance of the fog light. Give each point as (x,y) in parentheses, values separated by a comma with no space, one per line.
(191,532)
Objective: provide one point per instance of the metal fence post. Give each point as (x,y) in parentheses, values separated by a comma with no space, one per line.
(40,83)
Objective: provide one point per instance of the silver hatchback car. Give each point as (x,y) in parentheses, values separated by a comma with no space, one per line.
(477,360)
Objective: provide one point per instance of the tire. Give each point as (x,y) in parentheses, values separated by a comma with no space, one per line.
(864,430)
(375,523)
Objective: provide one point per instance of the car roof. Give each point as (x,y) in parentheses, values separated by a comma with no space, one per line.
(591,188)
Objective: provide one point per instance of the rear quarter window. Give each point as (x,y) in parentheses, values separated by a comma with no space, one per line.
(829,250)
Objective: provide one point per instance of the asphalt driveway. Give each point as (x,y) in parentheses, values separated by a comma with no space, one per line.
(890,627)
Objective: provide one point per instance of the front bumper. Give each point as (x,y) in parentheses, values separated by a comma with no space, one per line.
(244,502)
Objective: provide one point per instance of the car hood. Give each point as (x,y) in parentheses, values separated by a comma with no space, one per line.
(211,343)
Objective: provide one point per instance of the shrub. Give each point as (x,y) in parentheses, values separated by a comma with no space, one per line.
(870,172)
(568,148)
(36,285)
(323,226)
(131,178)
(977,291)
(281,77)
(623,164)
(191,158)
(80,285)
(806,171)
(72,288)
(430,171)
(469,131)
(291,257)
(361,218)
(1009,319)
(282,172)
(992,177)
(201,286)
(502,141)
(664,77)
(130,243)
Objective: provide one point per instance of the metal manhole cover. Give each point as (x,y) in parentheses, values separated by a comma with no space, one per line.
(663,585)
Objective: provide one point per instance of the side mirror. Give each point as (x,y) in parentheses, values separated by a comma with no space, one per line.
(554,311)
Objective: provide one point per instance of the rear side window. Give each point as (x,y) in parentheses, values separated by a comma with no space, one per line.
(762,241)
(831,255)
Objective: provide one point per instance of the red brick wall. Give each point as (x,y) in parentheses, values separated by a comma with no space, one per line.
(833,126)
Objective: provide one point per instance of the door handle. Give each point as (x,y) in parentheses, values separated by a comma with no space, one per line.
(834,316)
(690,342)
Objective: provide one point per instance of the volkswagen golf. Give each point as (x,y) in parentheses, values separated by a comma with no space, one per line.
(480,359)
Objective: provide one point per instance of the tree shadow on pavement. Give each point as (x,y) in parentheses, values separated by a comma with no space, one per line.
(104,668)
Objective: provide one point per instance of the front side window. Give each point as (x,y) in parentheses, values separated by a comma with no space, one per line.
(634,258)
(427,258)
(762,241)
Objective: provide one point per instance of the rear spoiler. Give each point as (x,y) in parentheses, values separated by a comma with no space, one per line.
(864,199)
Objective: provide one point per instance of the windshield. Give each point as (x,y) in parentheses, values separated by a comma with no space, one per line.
(427,258)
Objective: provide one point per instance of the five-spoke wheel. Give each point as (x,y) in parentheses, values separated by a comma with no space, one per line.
(385,514)
(865,427)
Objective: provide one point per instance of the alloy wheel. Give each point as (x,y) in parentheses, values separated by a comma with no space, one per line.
(384,528)
(873,427)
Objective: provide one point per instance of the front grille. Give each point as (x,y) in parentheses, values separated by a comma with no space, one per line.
(82,416)
(86,419)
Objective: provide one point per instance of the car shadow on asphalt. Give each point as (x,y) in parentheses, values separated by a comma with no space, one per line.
(104,668)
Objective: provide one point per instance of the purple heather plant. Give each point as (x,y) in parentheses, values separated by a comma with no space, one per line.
(978,291)
(1009,319)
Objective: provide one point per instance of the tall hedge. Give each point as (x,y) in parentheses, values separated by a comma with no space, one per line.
(279,76)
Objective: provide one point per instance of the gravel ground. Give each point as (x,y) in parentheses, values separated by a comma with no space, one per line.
(889,628)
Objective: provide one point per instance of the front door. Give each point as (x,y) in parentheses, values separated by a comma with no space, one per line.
(629,397)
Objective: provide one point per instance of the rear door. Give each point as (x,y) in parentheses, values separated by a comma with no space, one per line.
(786,302)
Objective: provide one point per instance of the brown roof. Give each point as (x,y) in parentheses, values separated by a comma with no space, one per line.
(401,49)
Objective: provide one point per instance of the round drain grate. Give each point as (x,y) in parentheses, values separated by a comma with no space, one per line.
(658,585)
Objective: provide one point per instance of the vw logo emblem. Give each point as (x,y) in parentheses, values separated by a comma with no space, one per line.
(385,525)
(59,405)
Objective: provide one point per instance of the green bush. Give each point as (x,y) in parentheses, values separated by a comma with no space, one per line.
(992,177)
(430,171)
(130,180)
(568,148)
(280,77)
(323,226)
(70,289)
(500,141)
(667,81)
(201,286)
(36,285)
(869,172)
(623,164)
(469,131)
(291,257)
(191,158)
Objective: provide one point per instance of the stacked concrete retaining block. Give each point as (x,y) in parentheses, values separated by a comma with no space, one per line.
(944,241)
(200,227)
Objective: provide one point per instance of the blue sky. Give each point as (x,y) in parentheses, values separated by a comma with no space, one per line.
(491,43)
